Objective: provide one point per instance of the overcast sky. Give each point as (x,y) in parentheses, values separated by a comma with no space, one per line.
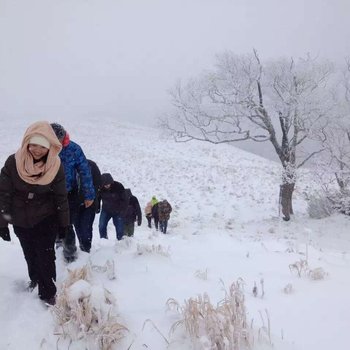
(67,58)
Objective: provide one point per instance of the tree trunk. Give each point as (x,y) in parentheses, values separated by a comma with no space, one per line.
(286,193)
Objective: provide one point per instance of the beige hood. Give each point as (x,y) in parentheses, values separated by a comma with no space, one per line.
(40,173)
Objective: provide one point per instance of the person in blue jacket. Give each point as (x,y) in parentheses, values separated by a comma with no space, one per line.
(84,221)
(78,175)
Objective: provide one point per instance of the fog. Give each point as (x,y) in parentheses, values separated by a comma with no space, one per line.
(74,58)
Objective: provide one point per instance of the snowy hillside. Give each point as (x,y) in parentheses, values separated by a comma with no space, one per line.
(225,226)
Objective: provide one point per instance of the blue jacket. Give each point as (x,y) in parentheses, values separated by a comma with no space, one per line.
(76,168)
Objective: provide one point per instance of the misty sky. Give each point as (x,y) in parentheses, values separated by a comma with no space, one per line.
(67,58)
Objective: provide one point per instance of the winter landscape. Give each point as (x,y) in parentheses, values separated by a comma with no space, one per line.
(128,78)
(225,229)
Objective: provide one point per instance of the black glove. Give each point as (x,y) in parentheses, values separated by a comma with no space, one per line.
(5,233)
(139,223)
(62,232)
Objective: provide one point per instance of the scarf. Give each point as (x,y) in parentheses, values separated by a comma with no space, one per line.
(44,171)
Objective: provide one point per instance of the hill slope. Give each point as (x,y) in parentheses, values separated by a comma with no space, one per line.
(224,227)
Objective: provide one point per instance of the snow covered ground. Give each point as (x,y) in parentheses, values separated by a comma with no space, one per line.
(225,226)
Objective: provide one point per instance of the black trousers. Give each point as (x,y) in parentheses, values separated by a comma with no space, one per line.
(156,221)
(163,225)
(38,245)
(83,226)
(69,242)
(149,220)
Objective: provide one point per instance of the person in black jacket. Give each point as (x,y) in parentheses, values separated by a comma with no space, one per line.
(33,198)
(85,217)
(115,203)
(155,215)
(133,214)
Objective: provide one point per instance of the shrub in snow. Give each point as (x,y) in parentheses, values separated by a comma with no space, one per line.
(322,205)
(319,206)
(87,313)
(341,202)
(317,274)
(221,327)
(143,249)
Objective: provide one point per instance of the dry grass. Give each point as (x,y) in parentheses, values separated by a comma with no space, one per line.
(223,326)
(84,318)
(317,274)
(110,333)
(300,267)
(265,329)
(143,249)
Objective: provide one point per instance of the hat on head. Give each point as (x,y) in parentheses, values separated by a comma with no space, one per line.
(39,140)
(106,179)
(154,200)
(59,130)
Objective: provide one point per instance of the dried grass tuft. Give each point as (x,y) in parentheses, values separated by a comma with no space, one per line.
(223,326)
(82,318)
(110,333)
(300,267)
(317,274)
(83,273)
(265,329)
(143,249)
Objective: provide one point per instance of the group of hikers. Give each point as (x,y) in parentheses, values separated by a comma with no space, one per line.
(49,191)
(160,212)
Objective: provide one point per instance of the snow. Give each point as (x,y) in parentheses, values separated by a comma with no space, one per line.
(225,226)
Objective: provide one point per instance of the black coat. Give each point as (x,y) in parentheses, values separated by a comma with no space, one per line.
(25,205)
(96,179)
(134,211)
(115,200)
(155,214)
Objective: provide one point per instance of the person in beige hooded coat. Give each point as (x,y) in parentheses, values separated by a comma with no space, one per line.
(33,198)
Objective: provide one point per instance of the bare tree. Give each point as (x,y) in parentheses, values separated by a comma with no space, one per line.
(335,137)
(241,98)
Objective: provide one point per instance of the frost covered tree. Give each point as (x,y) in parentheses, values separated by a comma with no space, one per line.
(335,137)
(241,98)
(332,167)
(337,154)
